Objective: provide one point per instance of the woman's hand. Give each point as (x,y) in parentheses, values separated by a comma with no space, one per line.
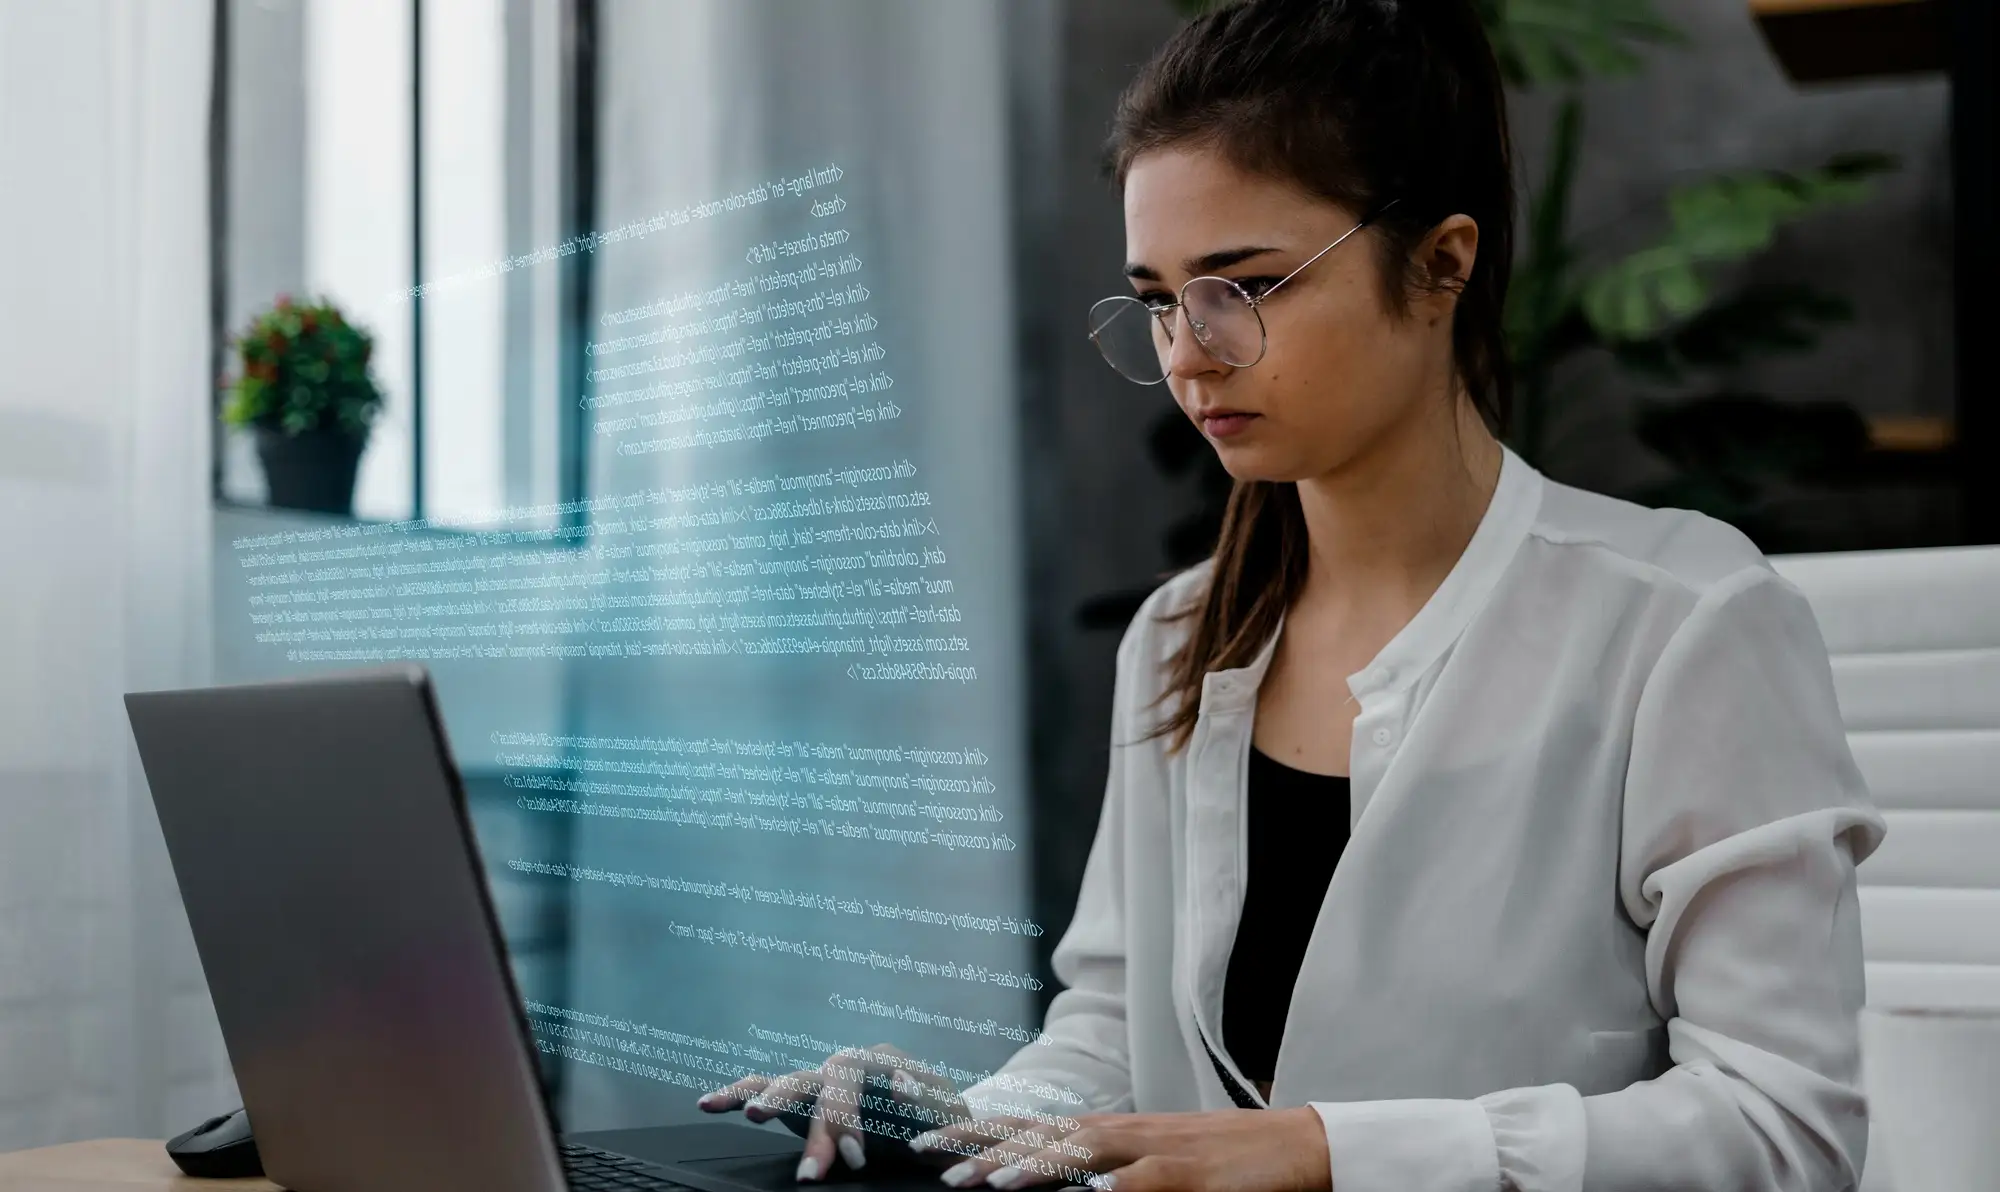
(856,1095)
(1227,1150)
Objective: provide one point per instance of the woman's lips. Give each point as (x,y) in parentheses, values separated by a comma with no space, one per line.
(1223,423)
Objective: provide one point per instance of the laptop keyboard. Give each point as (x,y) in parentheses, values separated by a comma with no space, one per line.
(591,1170)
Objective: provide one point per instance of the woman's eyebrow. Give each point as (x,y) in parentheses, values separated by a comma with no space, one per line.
(1223,259)
(1196,266)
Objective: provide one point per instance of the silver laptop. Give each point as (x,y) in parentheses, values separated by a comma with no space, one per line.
(319,834)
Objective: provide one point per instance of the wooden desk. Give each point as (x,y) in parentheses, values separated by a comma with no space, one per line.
(108,1165)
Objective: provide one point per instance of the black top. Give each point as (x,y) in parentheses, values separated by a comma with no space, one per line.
(1297,831)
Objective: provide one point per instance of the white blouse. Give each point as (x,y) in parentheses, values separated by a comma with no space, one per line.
(1596,926)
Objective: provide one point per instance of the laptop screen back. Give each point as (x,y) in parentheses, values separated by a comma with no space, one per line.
(337,904)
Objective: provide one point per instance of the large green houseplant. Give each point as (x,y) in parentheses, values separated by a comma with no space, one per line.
(304,388)
(1657,311)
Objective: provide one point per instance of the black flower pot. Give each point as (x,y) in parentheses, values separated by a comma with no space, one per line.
(312,471)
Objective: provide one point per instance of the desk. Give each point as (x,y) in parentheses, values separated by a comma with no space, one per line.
(108,1165)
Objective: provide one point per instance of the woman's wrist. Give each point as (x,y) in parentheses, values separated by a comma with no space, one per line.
(1304,1146)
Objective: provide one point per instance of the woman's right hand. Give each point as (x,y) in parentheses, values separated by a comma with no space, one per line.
(857,1103)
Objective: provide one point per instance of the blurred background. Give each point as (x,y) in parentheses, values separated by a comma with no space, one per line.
(1750,229)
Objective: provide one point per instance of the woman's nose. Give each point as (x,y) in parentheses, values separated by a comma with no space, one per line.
(1187,358)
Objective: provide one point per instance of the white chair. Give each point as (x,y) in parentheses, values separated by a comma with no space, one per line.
(1915,640)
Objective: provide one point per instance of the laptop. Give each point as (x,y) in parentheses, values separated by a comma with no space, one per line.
(319,834)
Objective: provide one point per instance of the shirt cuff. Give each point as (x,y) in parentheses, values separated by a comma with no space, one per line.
(1410,1146)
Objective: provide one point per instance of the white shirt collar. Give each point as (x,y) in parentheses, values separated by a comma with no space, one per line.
(1516,502)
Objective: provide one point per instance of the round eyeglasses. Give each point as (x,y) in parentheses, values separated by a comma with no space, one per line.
(1137,336)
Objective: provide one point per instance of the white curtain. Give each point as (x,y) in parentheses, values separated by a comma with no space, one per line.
(105,1024)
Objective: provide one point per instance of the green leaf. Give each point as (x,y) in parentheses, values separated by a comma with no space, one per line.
(1728,218)
(302,367)
(1639,296)
(1542,42)
(1759,321)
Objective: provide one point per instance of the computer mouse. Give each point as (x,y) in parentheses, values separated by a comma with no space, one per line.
(219,1148)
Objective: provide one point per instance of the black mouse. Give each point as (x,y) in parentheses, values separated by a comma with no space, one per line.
(220,1148)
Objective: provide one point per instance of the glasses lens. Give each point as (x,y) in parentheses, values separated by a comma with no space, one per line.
(1223,321)
(1130,338)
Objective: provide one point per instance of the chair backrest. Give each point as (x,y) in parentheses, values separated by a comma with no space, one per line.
(1915,639)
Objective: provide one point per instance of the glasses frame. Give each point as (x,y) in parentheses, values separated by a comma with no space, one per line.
(1166,312)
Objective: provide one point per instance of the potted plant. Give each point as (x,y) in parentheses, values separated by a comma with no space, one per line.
(304,388)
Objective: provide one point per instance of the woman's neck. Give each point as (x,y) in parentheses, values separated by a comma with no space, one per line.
(1394,521)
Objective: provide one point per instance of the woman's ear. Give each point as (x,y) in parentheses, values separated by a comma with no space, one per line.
(1444,263)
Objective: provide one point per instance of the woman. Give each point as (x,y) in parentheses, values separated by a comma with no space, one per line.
(1595,925)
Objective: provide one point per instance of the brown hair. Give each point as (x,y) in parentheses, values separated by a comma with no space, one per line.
(1362,103)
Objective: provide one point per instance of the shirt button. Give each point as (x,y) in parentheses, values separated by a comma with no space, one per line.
(1382,737)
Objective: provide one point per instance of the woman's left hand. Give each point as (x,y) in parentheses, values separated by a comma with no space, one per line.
(1225,1150)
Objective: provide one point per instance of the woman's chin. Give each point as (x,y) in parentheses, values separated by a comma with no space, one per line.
(1247,459)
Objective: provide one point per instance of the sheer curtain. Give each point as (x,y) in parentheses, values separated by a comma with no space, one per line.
(105,1024)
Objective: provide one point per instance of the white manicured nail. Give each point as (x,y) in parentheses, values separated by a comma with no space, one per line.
(1006,1177)
(923,1142)
(850,1150)
(961,1175)
(808,1169)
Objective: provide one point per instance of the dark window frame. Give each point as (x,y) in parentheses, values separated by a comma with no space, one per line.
(1975,59)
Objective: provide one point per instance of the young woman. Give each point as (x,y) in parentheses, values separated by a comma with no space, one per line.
(1465,832)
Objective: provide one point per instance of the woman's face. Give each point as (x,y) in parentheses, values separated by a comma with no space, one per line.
(1342,371)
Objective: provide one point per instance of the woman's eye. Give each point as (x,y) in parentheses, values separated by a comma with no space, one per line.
(1256,287)
(1156,298)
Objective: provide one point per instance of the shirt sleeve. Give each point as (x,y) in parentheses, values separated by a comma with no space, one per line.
(1744,817)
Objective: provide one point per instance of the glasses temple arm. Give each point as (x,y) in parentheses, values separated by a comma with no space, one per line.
(1329,248)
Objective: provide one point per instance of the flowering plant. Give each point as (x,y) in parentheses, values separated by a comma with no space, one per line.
(303,369)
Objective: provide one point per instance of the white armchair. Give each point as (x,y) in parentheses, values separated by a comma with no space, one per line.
(1915,639)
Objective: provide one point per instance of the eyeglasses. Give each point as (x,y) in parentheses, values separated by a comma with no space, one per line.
(1137,337)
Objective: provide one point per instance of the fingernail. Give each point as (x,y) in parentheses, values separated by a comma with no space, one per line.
(961,1175)
(923,1142)
(850,1150)
(902,1082)
(756,1112)
(709,1100)
(1006,1177)
(808,1169)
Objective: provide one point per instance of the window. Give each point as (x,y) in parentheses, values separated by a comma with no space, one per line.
(371,145)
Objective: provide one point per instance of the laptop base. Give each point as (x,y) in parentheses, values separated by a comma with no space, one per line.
(730,1157)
